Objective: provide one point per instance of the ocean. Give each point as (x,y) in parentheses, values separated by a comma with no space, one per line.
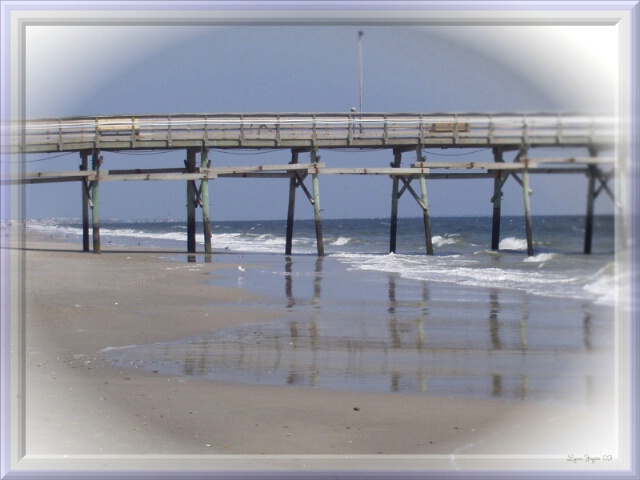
(462,248)
(467,321)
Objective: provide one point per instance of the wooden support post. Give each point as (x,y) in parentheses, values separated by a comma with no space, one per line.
(425,215)
(204,195)
(397,159)
(96,160)
(588,229)
(190,163)
(292,204)
(84,155)
(497,202)
(425,207)
(527,211)
(316,204)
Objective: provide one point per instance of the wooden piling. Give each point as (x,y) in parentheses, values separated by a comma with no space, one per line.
(288,281)
(497,201)
(316,204)
(397,160)
(84,155)
(96,160)
(426,217)
(527,211)
(588,229)
(425,208)
(204,195)
(292,204)
(191,202)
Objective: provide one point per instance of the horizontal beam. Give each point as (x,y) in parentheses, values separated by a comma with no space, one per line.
(255,175)
(575,160)
(147,170)
(133,175)
(530,164)
(373,171)
(310,168)
(35,180)
(106,176)
(493,174)
(155,176)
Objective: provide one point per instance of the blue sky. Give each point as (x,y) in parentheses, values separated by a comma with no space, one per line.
(102,70)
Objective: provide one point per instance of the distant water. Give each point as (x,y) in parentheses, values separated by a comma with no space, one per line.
(462,248)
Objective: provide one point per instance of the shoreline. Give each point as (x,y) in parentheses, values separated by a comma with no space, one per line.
(76,405)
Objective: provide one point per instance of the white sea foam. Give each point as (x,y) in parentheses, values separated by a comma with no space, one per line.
(232,241)
(267,243)
(539,258)
(439,241)
(124,347)
(131,233)
(51,227)
(512,243)
(473,273)
(604,290)
(604,286)
(341,241)
(271,240)
(54,228)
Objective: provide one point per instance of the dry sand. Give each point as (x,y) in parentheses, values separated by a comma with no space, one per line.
(81,413)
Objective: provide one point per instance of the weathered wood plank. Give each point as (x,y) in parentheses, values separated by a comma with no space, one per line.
(84,158)
(190,163)
(292,205)
(146,170)
(531,164)
(497,201)
(527,212)
(316,204)
(154,176)
(252,172)
(373,171)
(96,161)
(205,162)
(262,168)
(395,196)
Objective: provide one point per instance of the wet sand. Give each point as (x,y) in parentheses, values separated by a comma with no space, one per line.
(82,412)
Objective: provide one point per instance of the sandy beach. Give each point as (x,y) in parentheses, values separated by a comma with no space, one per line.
(83,412)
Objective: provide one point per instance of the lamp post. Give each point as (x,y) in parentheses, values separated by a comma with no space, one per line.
(360,35)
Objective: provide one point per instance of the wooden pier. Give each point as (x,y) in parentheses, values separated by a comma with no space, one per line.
(400,133)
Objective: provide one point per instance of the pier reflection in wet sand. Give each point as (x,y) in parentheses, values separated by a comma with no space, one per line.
(396,335)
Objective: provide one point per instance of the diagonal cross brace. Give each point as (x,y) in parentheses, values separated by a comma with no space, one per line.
(604,178)
(198,191)
(87,187)
(403,189)
(300,183)
(521,153)
(407,186)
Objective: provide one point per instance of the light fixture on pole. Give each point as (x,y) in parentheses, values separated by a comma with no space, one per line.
(360,35)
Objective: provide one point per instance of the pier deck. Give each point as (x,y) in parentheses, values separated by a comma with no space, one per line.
(322,130)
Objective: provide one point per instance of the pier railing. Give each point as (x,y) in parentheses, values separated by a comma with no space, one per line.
(322,130)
